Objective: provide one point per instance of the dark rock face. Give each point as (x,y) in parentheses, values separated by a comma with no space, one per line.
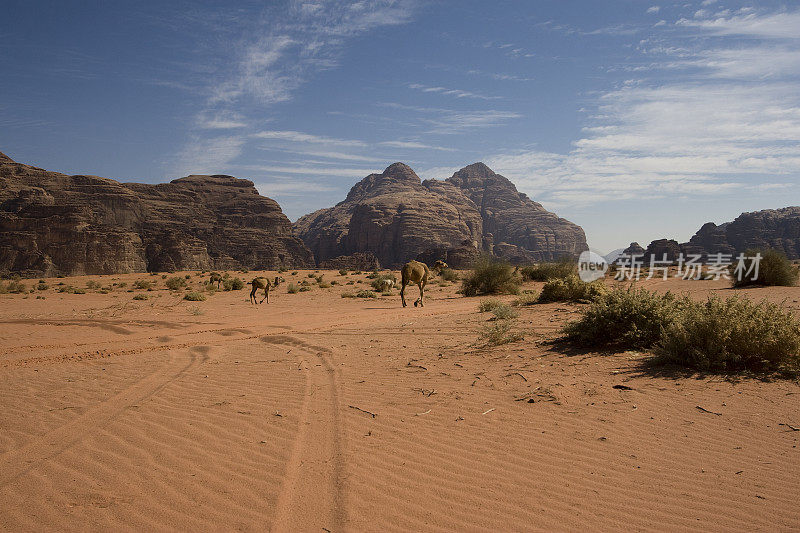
(398,218)
(51,223)
(772,228)
(634,249)
(358,261)
(663,249)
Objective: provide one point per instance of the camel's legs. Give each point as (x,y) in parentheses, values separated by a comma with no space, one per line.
(403,293)
(266,295)
(253,295)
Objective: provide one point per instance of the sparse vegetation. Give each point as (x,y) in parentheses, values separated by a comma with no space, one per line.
(232,284)
(292,288)
(13,287)
(490,275)
(733,334)
(379,283)
(348,294)
(143,284)
(324,285)
(175,283)
(527,298)
(489,304)
(342,272)
(448,274)
(366,294)
(42,286)
(500,332)
(571,289)
(194,296)
(504,312)
(92,284)
(547,271)
(774,269)
(627,319)
(140,297)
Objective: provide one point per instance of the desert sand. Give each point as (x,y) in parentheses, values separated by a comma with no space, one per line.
(322,413)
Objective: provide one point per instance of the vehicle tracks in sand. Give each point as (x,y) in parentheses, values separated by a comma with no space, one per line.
(18,461)
(313,496)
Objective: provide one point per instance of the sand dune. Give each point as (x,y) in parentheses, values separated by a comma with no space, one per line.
(317,412)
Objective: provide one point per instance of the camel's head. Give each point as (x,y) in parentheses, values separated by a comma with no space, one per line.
(439,265)
(278,281)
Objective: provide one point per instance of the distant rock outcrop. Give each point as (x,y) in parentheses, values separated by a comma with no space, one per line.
(772,228)
(51,223)
(397,217)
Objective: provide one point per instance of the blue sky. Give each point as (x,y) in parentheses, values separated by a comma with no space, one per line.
(636,119)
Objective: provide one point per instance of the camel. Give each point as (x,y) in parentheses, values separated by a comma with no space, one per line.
(262,283)
(417,273)
(216,277)
(385,285)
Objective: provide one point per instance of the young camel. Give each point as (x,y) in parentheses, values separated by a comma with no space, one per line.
(417,273)
(216,277)
(262,283)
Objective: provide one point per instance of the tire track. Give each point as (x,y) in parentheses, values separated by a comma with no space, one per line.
(17,462)
(313,496)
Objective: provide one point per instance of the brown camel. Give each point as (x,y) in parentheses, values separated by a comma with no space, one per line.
(263,283)
(216,277)
(417,273)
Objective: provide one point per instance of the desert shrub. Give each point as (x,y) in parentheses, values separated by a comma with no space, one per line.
(378,281)
(175,283)
(348,294)
(448,274)
(490,275)
(504,312)
(343,272)
(122,284)
(92,284)
(324,285)
(774,269)
(366,294)
(527,298)
(733,334)
(163,276)
(187,276)
(571,289)
(232,284)
(140,297)
(42,286)
(626,319)
(547,271)
(78,290)
(305,288)
(292,288)
(500,332)
(210,287)
(143,284)
(281,270)
(194,296)
(14,287)
(319,278)
(310,275)
(489,304)
(334,282)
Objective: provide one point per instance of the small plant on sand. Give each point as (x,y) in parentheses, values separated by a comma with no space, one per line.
(500,332)
(489,304)
(366,294)
(547,271)
(343,272)
(292,288)
(383,281)
(175,283)
(140,297)
(774,269)
(348,294)
(195,311)
(294,273)
(79,291)
(490,275)
(281,270)
(627,319)
(14,287)
(527,298)
(232,284)
(194,296)
(92,284)
(42,286)
(324,285)
(571,289)
(143,284)
(310,275)
(733,334)
(504,312)
(448,274)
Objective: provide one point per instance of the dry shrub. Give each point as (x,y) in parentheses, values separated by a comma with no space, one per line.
(490,275)
(774,269)
(547,271)
(175,283)
(500,332)
(527,298)
(448,274)
(194,296)
(571,289)
(489,304)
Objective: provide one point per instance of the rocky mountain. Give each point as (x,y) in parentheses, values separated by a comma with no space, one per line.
(398,217)
(771,228)
(51,223)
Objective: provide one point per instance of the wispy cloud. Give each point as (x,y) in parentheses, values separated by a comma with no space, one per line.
(458,93)
(209,156)
(414,145)
(300,137)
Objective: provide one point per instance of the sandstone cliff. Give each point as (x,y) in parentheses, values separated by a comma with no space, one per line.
(397,217)
(51,223)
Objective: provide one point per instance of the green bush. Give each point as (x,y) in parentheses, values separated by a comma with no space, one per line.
(628,319)
(774,269)
(489,304)
(42,286)
(292,288)
(527,298)
(448,274)
(571,289)
(490,275)
(194,296)
(504,312)
(13,287)
(546,271)
(233,284)
(175,283)
(733,334)
(92,284)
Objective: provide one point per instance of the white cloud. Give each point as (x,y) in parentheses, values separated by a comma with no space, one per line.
(653,9)
(458,93)
(220,121)
(414,145)
(300,137)
(209,156)
(453,122)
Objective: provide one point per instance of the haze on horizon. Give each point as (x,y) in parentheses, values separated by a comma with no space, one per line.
(635,119)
